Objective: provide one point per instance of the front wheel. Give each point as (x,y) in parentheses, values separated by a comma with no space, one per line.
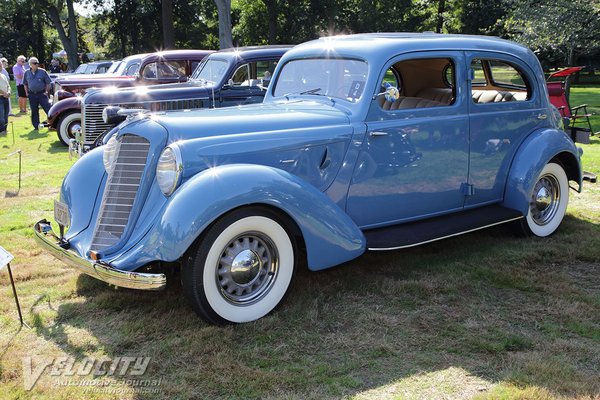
(547,202)
(67,126)
(241,267)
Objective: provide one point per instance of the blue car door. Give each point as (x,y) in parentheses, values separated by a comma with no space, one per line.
(504,108)
(414,159)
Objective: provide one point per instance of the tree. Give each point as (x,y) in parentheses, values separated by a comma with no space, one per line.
(69,41)
(167,24)
(224,10)
(568,28)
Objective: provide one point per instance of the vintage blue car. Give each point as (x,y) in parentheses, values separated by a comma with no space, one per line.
(226,78)
(372,141)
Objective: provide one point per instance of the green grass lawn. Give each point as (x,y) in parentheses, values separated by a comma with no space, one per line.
(485,316)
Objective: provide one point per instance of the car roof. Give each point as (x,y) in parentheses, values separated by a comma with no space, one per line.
(176,55)
(101,62)
(371,46)
(253,51)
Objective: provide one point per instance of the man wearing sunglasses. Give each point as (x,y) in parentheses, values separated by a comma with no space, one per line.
(37,84)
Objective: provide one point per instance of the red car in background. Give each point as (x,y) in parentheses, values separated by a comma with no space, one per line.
(143,69)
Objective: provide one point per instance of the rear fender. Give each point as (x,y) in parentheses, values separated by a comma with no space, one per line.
(329,235)
(535,152)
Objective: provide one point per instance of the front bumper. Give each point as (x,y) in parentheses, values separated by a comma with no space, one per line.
(59,249)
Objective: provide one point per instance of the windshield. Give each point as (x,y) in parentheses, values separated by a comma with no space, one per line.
(80,69)
(114,67)
(210,71)
(128,66)
(333,77)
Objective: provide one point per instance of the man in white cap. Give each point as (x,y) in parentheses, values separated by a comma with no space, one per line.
(3,65)
(19,70)
(37,85)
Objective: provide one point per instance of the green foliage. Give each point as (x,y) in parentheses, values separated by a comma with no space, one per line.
(557,30)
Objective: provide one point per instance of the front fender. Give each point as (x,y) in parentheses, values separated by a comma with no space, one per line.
(61,107)
(531,157)
(79,190)
(330,236)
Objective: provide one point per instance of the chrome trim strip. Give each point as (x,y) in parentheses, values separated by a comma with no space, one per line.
(133,280)
(443,237)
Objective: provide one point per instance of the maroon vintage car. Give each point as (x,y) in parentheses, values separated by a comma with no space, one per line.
(143,69)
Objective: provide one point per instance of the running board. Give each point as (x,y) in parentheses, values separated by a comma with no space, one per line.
(429,230)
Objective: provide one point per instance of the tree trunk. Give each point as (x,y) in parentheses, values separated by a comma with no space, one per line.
(167,24)
(570,62)
(224,10)
(69,44)
(440,16)
(72,27)
(272,13)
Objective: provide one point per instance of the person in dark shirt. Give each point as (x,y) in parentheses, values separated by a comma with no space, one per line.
(37,85)
(54,67)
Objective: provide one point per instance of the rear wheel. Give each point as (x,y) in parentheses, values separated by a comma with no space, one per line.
(547,202)
(241,267)
(67,125)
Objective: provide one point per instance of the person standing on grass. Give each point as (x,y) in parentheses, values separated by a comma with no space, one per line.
(3,65)
(37,85)
(4,97)
(19,73)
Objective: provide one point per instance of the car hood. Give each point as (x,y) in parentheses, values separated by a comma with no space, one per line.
(153,93)
(250,119)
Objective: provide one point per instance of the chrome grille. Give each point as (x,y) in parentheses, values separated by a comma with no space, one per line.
(93,125)
(121,190)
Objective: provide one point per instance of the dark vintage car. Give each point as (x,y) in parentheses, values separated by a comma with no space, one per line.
(226,78)
(374,141)
(94,67)
(144,69)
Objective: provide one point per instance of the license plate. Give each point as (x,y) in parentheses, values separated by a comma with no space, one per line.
(61,213)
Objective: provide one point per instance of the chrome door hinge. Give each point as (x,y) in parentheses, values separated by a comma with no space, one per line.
(467,189)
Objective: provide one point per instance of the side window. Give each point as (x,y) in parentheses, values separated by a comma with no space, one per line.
(132,69)
(170,69)
(504,74)
(392,78)
(240,76)
(264,71)
(497,81)
(420,83)
(479,79)
(149,71)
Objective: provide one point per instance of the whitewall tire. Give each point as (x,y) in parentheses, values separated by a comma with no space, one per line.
(67,125)
(241,267)
(547,201)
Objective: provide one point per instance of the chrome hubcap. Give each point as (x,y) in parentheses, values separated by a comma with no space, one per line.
(247,268)
(545,200)
(73,128)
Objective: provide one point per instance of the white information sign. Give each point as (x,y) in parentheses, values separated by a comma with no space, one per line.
(5,257)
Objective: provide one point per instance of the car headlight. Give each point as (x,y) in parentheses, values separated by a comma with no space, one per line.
(169,169)
(110,153)
(110,115)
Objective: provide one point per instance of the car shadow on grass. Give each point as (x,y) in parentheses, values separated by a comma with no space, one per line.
(57,147)
(450,319)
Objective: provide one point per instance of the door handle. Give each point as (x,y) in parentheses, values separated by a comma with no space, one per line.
(542,116)
(377,133)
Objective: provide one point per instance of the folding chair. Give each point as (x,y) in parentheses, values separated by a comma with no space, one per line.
(571,115)
(575,115)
